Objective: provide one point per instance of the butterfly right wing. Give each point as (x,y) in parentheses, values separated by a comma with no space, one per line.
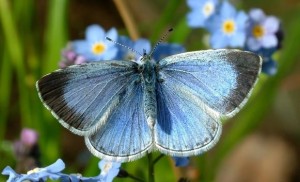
(82,97)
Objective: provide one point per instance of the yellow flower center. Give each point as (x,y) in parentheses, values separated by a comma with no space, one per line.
(228,27)
(98,48)
(258,31)
(208,9)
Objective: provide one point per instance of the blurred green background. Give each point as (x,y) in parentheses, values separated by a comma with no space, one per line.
(261,143)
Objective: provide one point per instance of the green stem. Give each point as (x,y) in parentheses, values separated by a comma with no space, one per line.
(134,177)
(15,53)
(151,168)
(158,158)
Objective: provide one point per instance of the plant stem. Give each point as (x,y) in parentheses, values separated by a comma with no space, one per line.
(127,18)
(158,158)
(135,178)
(151,168)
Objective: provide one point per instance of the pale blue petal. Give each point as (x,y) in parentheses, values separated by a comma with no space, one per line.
(194,4)
(253,44)
(241,20)
(195,19)
(113,34)
(109,54)
(218,41)
(215,24)
(94,33)
(227,10)
(81,47)
(238,40)
(271,24)
(58,166)
(257,15)
(269,41)
(142,44)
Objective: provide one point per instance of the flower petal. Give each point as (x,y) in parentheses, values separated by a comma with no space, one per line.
(227,10)
(194,4)
(218,40)
(253,44)
(238,40)
(94,33)
(57,166)
(81,47)
(257,15)
(269,41)
(271,24)
(113,34)
(195,19)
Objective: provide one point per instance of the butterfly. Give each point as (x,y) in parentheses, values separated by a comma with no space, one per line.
(126,109)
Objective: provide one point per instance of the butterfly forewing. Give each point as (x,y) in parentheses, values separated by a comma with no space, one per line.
(222,79)
(83,96)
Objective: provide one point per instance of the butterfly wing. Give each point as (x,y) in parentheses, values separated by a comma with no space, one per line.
(196,90)
(126,135)
(82,97)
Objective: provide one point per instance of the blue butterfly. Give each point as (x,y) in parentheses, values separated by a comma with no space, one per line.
(126,109)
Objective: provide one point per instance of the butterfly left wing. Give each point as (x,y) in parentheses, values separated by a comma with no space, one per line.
(195,91)
(126,135)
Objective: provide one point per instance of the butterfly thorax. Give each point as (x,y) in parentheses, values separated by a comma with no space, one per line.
(148,80)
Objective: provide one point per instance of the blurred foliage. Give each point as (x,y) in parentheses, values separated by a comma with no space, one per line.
(33,33)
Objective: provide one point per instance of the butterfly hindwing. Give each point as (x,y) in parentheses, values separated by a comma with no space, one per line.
(83,96)
(125,136)
(185,125)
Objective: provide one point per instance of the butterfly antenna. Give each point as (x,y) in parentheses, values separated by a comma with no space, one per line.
(160,40)
(129,48)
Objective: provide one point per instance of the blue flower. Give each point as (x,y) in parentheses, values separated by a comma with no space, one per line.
(139,45)
(227,28)
(262,30)
(109,170)
(201,11)
(95,47)
(181,161)
(165,49)
(36,174)
(269,66)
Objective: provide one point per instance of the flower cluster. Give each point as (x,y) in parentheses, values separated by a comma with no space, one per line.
(228,27)
(109,170)
(96,47)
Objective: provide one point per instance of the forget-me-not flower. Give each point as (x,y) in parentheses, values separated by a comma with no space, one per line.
(227,28)
(95,47)
(262,30)
(140,45)
(201,11)
(37,174)
(109,170)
